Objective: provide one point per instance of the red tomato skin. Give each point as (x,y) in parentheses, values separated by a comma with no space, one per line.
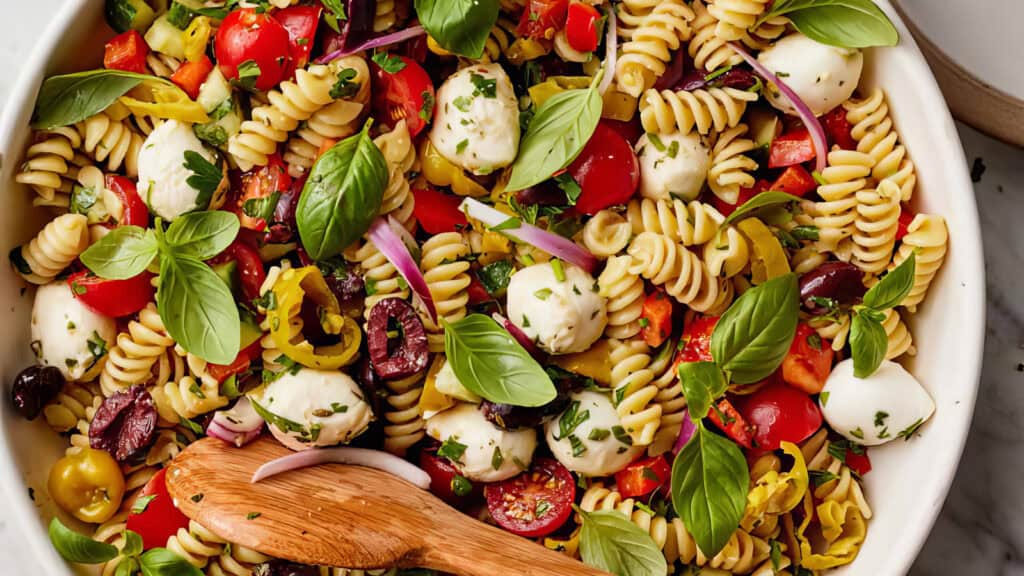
(632,482)
(542,18)
(114,298)
(247,35)
(402,94)
(441,473)
(791,148)
(696,340)
(300,22)
(657,312)
(260,183)
(161,519)
(838,129)
(222,372)
(250,269)
(795,180)
(560,498)
(134,211)
(780,413)
(191,75)
(745,195)
(805,367)
(906,217)
(476,291)
(438,212)
(607,171)
(581,26)
(859,463)
(736,428)
(126,51)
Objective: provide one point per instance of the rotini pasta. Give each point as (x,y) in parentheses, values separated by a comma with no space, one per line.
(607,233)
(730,168)
(631,14)
(403,423)
(897,335)
(728,253)
(735,17)
(875,227)
(703,110)
(398,151)
(926,238)
(56,246)
(845,175)
(137,351)
(160,64)
(195,394)
(634,391)
(687,224)
(72,406)
(650,46)
(683,274)
(113,141)
(444,268)
(196,544)
(624,292)
(707,49)
(875,136)
(49,166)
(380,276)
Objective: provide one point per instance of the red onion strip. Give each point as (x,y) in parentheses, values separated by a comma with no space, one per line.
(394,249)
(808,117)
(553,244)
(611,49)
(344,455)
(378,42)
(238,425)
(686,430)
(518,334)
(238,439)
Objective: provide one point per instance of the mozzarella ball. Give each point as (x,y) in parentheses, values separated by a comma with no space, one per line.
(163,177)
(672,165)
(476,121)
(67,334)
(448,383)
(874,410)
(561,316)
(465,424)
(314,408)
(823,76)
(593,447)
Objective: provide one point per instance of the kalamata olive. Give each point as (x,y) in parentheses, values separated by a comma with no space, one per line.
(544,194)
(125,424)
(348,287)
(509,417)
(34,387)
(739,78)
(284,568)
(374,392)
(840,283)
(673,72)
(404,355)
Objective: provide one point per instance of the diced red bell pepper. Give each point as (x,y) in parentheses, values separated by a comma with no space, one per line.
(838,129)
(301,23)
(476,291)
(191,75)
(795,180)
(656,318)
(126,51)
(729,420)
(643,477)
(809,361)
(906,217)
(859,463)
(438,212)
(222,372)
(791,148)
(581,26)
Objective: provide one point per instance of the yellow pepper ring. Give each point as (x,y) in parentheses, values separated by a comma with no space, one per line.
(440,172)
(290,291)
(768,259)
(162,99)
(798,475)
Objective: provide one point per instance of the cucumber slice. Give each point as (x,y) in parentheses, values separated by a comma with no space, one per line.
(125,15)
(165,37)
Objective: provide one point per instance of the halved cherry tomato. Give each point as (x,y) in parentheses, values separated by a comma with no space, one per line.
(643,476)
(542,18)
(442,473)
(476,291)
(725,416)
(906,217)
(438,212)
(859,463)
(696,340)
(630,130)
(126,51)
(159,518)
(260,183)
(133,210)
(656,318)
(222,372)
(300,22)
(780,413)
(745,194)
(114,298)
(606,170)
(809,361)
(838,128)
(250,266)
(791,148)
(795,180)
(191,75)
(581,26)
(408,93)
(534,503)
(247,36)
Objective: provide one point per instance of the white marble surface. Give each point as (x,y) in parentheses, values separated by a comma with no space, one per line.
(981,529)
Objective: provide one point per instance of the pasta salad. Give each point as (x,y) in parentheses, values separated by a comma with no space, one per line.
(630,279)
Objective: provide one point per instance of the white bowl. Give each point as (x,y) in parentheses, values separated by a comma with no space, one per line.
(909,481)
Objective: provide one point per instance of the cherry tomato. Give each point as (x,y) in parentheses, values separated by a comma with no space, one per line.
(606,170)
(133,210)
(442,474)
(542,18)
(476,291)
(408,93)
(300,22)
(795,180)
(725,416)
(87,484)
(838,128)
(581,26)
(250,268)
(906,217)
(631,130)
(696,340)
(656,318)
(809,361)
(114,298)
(791,148)
(245,36)
(780,413)
(191,75)
(438,212)
(643,476)
(859,463)
(260,183)
(126,51)
(534,503)
(745,194)
(222,372)
(159,518)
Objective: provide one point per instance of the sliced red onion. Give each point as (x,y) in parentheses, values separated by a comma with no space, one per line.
(238,425)
(611,51)
(518,334)
(686,430)
(808,117)
(378,42)
(557,246)
(394,249)
(238,439)
(344,455)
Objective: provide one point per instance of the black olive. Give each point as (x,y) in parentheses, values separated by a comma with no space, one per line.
(831,285)
(509,417)
(34,387)
(396,357)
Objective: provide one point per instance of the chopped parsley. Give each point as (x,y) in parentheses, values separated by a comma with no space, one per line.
(253,515)
(599,434)
(205,177)
(805,232)
(262,208)
(97,346)
(462,103)
(461,486)
(556,266)
(880,417)
(542,508)
(622,436)
(496,458)
(141,503)
(452,450)
(823,398)
(197,497)
(495,276)
(486,87)
(543,293)
(819,477)
(461,146)
(571,419)
(814,340)
(345,87)
(570,186)
(337,12)
(427,110)
(578,448)
(857,433)
(388,63)
(248,72)
(909,431)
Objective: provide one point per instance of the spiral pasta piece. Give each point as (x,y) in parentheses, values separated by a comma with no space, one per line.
(79,438)
(897,335)
(845,175)
(160,64)
(875,136)
(766,33)
(875,227)
(702,110)
(673,410)
(631,14)
(649,49)
(607,233)
(72,405)
(112,532)
(56,246)
(835,330)
(445,269)
(235,560)
(683,274)
(624,292)
(48,166)
(169,442)
(730,167)
(634,393)
(735,17)
(597,497)
(839,485)
(131,360)
(927,238)
(379,274)
(397,149)
(707,49)
(195,394)
(728,253)
(403,423)
(687,224)
(196,545)
(113,141)
(385,16)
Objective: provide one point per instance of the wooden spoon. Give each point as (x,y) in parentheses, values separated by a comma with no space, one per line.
(347,516)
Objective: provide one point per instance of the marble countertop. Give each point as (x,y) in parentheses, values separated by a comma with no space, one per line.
(981,529)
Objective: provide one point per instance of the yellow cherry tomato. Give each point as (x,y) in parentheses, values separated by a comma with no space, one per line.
(87,484)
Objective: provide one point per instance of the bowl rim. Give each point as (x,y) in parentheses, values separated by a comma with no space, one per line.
(21,101)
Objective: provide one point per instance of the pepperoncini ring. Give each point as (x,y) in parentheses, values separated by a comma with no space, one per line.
(768,259)
(843,530)
(439,171)
(162,99)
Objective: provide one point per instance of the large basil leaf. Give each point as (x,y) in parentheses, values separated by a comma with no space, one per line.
(74,547)
(610,541)
(868,343)
(69,98)
(702,383)
(459,26)
(762,200)
(709,489)
(753,336)
(202,235)
(341,196)
(491,364)
(123,253)
(556,136)
(198,309)
(890,291)
(844,23)
(163,562)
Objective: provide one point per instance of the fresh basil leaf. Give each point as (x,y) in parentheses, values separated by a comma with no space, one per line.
(709,489)
(495,276)
(127,567)
(868,344)
(205,178)
(262,208)
(69,98)
(132,544)
(491,364)
(556,136)
(843,23)
(341,196)
(197,309)
(459,26)
(753,336)
(611,542)
(163,562)
(890,291)
(202,235)
(337,12)
(248,73)
(345,87)
(123,253)
(703,383)
(75,547)
(762,200)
